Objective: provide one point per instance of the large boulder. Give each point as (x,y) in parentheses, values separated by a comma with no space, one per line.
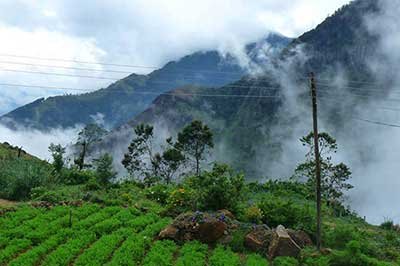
(300,237)
(258,239)
(282,244)
(205,227)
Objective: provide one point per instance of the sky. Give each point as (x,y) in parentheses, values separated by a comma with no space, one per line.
(133,32)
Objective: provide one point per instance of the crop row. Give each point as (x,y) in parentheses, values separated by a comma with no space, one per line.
(161,254)
(32,256)
(192,254)
(132,251)
(50,235)
(103,222)
(224,256)
(13,219)
(102,249)
(83,236)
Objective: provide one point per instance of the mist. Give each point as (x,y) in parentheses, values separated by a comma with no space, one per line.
(36,142)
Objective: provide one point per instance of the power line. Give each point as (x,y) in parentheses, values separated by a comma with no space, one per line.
(64,67)
(119,65)
(77,61)
(57,74)
(151,93)
(376,122)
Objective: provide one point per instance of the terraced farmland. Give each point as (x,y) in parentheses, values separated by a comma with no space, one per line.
(94,235)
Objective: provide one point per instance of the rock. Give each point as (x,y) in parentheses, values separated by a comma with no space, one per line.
(170,232)
(205,227)
(211,231)
(258,239)
(282,244)
(300,237)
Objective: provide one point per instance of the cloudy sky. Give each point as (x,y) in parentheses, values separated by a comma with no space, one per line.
(133,32)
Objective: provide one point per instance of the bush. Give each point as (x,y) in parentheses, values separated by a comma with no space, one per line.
(218,189)
(286,261)
(92,184)
(352,256)
(277,210)
(253,214)
(49,196)
(180,200)
(159,193)
(75,177)
(340,235)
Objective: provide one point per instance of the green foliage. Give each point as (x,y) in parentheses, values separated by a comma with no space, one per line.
(340,235)
(286,261)
(194,141)
(159,192)
(334,178)
(256,260)
(181,200)
(19,175)
(224,257)
(388,224)
(104,169)
(277,210)
(87,137)
(253,214)
(353,256)
(57,152)
(142,162)
(192,254)
(48,196)
(237,243)
(161,254)
(74,176)
(218,189)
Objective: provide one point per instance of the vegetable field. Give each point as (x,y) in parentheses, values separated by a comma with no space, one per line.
(94,235)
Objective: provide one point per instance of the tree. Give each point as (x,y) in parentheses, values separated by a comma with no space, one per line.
(194,141)
(334,177)
(57,152)
(140,151)
(142,160)
(89,135)
(104,169)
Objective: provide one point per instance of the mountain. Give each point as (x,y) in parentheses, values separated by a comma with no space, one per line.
(251,131)
(129,96)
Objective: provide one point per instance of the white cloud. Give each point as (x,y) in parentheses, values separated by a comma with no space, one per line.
(140,32)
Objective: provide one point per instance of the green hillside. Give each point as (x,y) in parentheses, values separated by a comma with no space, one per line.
(123,230)
(19,174)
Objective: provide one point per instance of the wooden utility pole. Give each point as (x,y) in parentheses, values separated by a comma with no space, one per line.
(317,158)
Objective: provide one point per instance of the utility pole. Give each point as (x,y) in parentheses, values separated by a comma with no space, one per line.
(317,158)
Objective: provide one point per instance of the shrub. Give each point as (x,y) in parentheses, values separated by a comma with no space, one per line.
(285,261)
(353,256)
(159,193)
(253,214)
(75,177)
(340,235)
(180,200)
(49,196)
(218,189)
(388,224)
(277,210)
(92,184)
